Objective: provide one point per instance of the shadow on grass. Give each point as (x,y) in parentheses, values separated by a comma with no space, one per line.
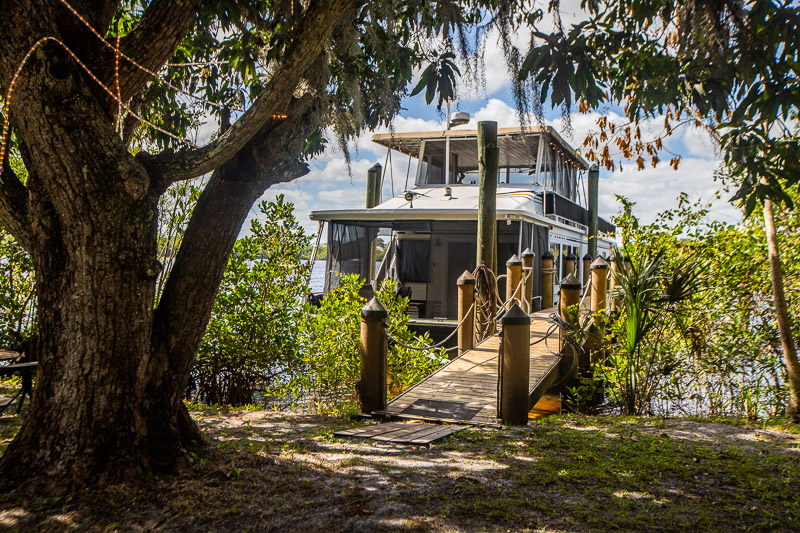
(266,471)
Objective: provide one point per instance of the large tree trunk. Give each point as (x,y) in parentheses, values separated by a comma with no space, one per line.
(782,315)
(93,241)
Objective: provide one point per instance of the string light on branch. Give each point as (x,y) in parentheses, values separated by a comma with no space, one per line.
(121,105)
(116,94)
(116,82)
(10,98)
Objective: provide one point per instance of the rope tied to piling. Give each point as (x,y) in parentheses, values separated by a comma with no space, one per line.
(486,286)
(505,306)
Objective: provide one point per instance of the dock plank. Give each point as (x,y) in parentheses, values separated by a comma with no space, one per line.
(402,432)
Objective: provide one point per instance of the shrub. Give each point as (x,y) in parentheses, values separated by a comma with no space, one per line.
(250,347)
(329,343)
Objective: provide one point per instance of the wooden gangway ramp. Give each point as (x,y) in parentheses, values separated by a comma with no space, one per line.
(465,389)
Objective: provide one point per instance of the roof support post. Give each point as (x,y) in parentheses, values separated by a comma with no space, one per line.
(488,160)
(373,199)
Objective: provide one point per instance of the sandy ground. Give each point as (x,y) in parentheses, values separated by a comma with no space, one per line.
(269,471)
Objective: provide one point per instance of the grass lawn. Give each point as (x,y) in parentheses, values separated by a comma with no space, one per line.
(272,471)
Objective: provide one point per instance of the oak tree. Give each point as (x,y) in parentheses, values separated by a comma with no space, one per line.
(100,97)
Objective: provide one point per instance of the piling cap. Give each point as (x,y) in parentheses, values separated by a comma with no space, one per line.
(528,253)
(587,257)
(570,282)
(374,310)
(599,263)
(571,256)
(514,261)
(376,167)
(515,317)
(547,255)
(466,279)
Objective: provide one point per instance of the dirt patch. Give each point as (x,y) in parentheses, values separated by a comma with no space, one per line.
(268,471)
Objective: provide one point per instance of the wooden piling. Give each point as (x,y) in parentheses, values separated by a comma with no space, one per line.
(570,295)
(515,367)
(599,270)
(488,161)
(373,354)
(513,278)
(466,300)
(373,199)
(374,186)
(612,280)
(548,273)
(594,195)
(570,298)
(587,262)
(570,263)
(527,270)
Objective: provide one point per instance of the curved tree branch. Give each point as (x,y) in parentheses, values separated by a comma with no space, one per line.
(307,46)
(153,41)
(188,298)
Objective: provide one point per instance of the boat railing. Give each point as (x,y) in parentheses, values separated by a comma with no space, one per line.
(567,221)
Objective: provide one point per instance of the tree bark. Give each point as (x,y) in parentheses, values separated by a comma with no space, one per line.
(107,406)
(782,315)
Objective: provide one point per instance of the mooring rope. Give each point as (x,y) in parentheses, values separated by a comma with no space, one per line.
(504,305)
(486,283)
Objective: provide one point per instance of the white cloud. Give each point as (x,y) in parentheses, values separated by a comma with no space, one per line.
(329,186)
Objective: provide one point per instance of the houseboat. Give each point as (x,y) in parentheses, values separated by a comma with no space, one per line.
(430,227)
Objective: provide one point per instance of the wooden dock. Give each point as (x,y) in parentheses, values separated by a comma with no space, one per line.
(418,433)
(465,390)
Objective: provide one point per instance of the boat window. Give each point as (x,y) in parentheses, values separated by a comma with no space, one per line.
(436,169)
(555,249)
(413,260)
(348,252)
(432,168)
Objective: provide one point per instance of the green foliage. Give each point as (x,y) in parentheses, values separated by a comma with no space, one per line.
(174,210)
(262,342)
(17,292)
(651,293)
(439,78)
(329,338)
(233,50)
(707,345)
(250,345)
(329,341)
(731,65)
(17,280)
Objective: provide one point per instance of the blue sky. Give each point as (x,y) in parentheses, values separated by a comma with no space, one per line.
(330,186)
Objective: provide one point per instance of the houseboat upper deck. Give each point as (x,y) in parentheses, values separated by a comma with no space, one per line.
(430,228)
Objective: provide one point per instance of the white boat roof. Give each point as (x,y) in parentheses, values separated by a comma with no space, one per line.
(431,203)
(518,146)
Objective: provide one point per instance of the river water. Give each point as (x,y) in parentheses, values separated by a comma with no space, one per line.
(317,282)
